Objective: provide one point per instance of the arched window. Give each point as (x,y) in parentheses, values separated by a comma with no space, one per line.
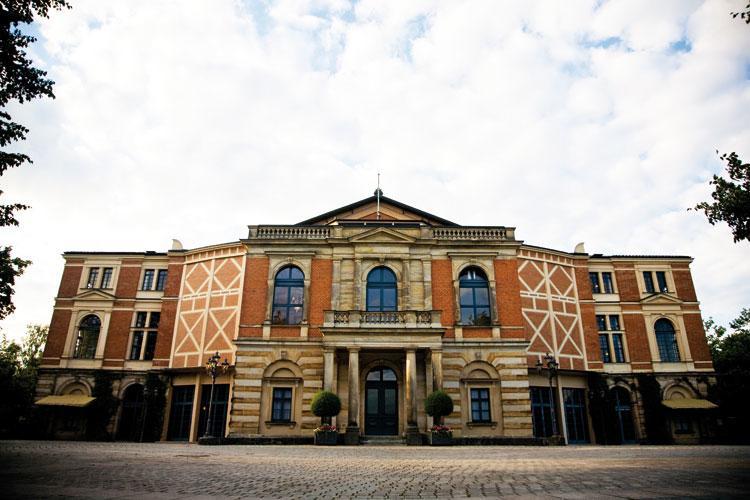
(88,337)
(381,290)
(667,341)
(474,297)
(288,296)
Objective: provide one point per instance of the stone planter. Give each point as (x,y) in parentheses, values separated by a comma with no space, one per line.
(436,439)
(326,438)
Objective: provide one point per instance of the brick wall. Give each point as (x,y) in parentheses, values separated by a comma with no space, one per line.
(588,318)
(683,281)
(118,332)
(509,298)
(627,284)
(71,278)
(697,339)
(58,332)
(321,280)
(168,312)
(254,290)
(442,291)
(127,282)
(635,328)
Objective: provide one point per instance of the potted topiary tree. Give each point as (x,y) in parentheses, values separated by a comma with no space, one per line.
(438,405)
(326,405)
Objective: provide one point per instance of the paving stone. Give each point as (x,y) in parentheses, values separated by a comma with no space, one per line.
(43,469)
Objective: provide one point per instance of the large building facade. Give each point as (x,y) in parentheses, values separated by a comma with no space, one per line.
(383,303)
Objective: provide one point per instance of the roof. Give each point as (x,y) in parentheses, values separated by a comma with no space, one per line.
(600,256)
(689,404)
(146,253)
(76,400)
(371,199)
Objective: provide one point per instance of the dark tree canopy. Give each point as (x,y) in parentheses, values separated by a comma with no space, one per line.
(438,404)
(744,15)
(731,198)
(20,81)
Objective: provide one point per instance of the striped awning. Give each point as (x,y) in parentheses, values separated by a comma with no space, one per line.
(77,400)
(689,404)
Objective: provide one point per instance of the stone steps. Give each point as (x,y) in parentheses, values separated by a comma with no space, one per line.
(383,441)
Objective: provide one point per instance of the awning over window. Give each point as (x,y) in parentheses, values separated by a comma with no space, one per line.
(689,404)
(77,400)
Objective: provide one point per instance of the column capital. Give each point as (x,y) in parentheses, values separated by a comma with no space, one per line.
(354,349)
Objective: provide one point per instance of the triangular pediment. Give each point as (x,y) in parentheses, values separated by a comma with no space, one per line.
(661,298)
(381,235)
(94,295)
(378,208)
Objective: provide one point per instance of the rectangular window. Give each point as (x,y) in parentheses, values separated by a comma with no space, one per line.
(614,322)
(594,277)
(683,425)
(148,279)
(607,283)
(281,410)
(661,280)
(604,347)
(140,319)
(601,321)
(161,279)
(648,282)
(541,411)
(575,415)
(148,352)
(480,405)
(93,277)
(107,277)
(135,348)
(146,327)
(618,348)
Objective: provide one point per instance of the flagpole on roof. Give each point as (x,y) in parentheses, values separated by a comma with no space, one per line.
(377,192)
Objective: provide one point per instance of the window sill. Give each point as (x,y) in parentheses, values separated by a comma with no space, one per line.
(481,424)
(272,423)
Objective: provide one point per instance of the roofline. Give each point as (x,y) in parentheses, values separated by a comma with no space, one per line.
(598,256)
(148,253)
(370,199)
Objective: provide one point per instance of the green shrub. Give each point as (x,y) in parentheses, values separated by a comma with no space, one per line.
(325,405)
(438,405)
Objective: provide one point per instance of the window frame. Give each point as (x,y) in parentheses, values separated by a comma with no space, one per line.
(161,280)
(479,399)
(91,347)
(380,287)
(661,336)
(145,328)
(290,399)
(288,284)
(608,349)
(480,281)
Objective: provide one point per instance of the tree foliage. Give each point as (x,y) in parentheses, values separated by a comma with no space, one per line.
(438,405)
(744,15)
(731,198)
(326,404)
(18,374)
(20,81)
(730,349)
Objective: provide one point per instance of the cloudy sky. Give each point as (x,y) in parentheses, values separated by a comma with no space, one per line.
(592,121)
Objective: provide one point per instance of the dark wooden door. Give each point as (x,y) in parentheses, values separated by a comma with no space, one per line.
(381,403)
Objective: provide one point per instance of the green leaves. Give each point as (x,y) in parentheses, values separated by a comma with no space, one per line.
(731,198)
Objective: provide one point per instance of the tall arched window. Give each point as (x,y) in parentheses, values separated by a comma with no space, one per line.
(288,296)
(381,290)
(666,339)
(88,337)
(474,297)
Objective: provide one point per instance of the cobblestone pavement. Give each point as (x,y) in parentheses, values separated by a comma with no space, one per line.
(42,469)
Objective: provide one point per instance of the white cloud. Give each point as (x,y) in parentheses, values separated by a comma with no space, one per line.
(574,121)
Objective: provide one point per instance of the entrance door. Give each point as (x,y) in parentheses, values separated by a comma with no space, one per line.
(381,403)
(624,415)
(131,418)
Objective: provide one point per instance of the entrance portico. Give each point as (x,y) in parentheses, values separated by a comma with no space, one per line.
(405,356)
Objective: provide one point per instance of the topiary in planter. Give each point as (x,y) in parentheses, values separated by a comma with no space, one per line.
(438,405)
(325,405)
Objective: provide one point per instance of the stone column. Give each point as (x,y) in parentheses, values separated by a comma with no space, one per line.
(412,430)
(437,369)
(352,427)
(328,368)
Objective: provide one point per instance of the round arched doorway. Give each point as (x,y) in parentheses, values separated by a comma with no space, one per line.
(131,417)
(624,412)
(381,402)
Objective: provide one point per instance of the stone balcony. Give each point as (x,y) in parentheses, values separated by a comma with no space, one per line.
(382,320)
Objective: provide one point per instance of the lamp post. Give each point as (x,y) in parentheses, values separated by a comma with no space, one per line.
(551,364)
(214,366)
